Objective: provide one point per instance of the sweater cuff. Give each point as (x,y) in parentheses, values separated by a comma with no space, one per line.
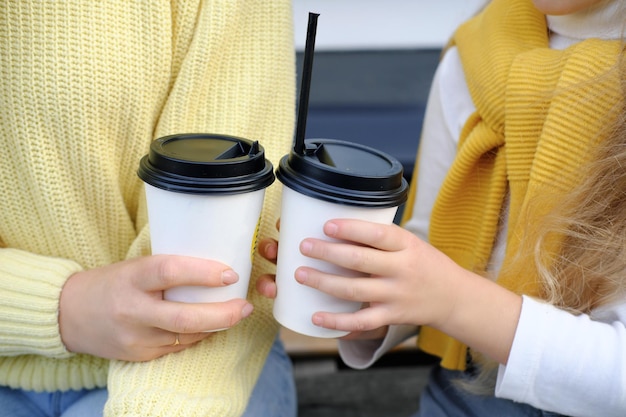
(30,289)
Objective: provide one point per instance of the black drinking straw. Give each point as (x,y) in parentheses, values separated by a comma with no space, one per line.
(305,86)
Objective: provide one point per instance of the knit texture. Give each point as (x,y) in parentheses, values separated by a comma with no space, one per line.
(538,118)
(84,88)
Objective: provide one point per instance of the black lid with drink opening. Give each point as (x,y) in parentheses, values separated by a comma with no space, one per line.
(198,163)
(344,173)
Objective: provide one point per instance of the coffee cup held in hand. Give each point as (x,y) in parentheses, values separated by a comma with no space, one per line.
(329,179)
(204,194)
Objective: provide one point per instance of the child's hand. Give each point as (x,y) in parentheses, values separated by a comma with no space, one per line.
(405,280)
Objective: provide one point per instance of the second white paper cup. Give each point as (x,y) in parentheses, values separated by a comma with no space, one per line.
(327,179)
(304,217)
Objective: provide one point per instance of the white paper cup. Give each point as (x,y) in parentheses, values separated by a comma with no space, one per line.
(205,194)
(296,303)
(222,228)
(331,179)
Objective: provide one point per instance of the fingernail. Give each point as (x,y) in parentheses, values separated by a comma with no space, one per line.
(317,320)
(247,310)
(270,250)
(301,276)
(331,229)
(305,247)
(229,277)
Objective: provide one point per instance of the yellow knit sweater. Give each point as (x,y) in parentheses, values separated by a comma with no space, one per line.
(538,118)
(84,88)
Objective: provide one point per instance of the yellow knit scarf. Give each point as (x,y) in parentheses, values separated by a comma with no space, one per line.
(538,118)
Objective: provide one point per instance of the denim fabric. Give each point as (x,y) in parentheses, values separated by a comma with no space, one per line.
(84,403)
(273,395)
(275,392)
(442,398)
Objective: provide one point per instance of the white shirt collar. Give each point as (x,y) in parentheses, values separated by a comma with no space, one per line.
(606,20)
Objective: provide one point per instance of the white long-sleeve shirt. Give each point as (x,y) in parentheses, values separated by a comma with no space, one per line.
(572,365)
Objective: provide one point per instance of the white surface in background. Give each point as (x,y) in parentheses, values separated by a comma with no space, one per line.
(381,24)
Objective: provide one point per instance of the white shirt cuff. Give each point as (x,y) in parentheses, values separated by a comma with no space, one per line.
(361,354)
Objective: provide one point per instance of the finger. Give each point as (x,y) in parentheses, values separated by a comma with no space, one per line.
(169,339)
(375,334)
(365,320)
(150,343)
(363,289)
(381,236)
(268,248)
(165,350)
(148,354)
(355,257)
(266,285)
(179,317)
(160,272)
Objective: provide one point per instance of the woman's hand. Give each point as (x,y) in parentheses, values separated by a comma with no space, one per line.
(266,284)
(118,311)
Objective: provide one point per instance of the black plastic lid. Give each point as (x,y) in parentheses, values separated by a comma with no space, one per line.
(199,163)
(344,173)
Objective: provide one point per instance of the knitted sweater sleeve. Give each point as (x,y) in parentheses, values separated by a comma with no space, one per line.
(30,286)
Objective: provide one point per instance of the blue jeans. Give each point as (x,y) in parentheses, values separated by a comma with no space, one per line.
(275,392)
(273,395)
(442,398)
